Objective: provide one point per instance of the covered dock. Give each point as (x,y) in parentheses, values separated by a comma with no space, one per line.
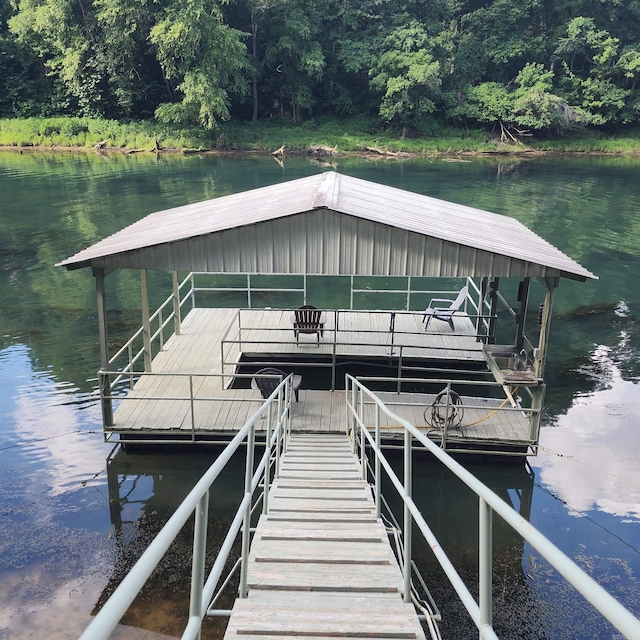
(191,397)
(184,377)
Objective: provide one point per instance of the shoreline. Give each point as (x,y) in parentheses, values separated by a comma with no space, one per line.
(322,154)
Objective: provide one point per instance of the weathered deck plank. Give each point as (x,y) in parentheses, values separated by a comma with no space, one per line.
(160,403)
(320,572)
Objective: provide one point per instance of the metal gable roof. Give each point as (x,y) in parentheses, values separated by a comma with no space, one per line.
(467,227)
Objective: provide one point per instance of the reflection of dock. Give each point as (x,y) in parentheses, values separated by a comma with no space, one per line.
(320,562)
(189,394)
(146,487)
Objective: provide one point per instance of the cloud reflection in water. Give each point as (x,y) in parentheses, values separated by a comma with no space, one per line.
(599,441)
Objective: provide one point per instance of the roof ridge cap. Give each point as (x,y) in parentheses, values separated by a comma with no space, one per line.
(326,190)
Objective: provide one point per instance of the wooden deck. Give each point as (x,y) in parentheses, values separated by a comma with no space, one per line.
(190,366)
(359,333)
(320,563)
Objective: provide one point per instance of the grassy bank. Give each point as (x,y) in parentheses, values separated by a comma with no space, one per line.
(342,136)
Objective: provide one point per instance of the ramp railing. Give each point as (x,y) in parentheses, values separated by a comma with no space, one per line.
(276,413)
(369,438)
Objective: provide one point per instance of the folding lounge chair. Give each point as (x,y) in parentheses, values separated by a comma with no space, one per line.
(267,386)
(444,313)
(308,319)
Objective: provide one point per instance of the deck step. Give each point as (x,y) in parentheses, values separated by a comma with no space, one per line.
(320,564)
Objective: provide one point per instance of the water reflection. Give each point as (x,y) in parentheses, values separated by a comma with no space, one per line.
(451,511)
(144,491)
(590,454)
(53,524)
(66,526)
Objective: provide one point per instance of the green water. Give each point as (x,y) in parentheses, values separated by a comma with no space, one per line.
(68,521)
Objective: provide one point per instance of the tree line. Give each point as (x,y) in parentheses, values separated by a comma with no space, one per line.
(515,66)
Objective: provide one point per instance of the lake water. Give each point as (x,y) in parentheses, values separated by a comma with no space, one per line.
(73,513)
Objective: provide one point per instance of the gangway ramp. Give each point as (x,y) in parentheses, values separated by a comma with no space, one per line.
(321,564)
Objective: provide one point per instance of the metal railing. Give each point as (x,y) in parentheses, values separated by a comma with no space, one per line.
(170,310)
(250,286)
(194,382)
(489,503)
(276,411)
(448,409)
(132,351)
(129,358)
(338,336)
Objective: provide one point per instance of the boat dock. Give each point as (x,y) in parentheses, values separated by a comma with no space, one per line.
(196,390)
(320,563)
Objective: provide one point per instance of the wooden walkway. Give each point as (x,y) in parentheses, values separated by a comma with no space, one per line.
(160,405)
(321,564)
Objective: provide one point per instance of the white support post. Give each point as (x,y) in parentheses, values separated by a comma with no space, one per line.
(493,298)
(521,317)
(267,446)
(280,440)
(146,324)
(540,357)
(176,303)
(408,482)
(246,525)
(199,557)
(105,383)
(363,457)
(378,479)
(536,405)
(485,587)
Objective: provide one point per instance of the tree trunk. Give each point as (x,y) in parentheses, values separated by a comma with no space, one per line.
(294,113)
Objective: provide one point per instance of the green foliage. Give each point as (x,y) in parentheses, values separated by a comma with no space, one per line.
(529,65)
(597,74)
(528,103)
(406,75)
(205,56)
(296,54)
(350,135)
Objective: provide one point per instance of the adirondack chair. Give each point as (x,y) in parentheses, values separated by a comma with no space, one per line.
(308,319)
(444,313)
(267,386)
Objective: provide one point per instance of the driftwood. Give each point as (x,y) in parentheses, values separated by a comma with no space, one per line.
(322,150)
(102,144)
(382,152)
(278,152)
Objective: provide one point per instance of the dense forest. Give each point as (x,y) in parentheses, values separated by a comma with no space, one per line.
(512,66)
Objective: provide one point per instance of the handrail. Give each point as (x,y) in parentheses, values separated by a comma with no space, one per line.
(335,328)
(198,501)
(191,396)
(127,347)
(480,611)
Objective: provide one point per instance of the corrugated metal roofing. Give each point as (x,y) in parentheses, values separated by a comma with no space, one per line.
(291,228)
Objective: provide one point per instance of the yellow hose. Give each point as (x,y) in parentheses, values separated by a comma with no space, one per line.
(462,426)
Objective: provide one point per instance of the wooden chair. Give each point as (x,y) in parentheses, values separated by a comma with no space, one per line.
(444,313)
(267,385)
(308,319)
